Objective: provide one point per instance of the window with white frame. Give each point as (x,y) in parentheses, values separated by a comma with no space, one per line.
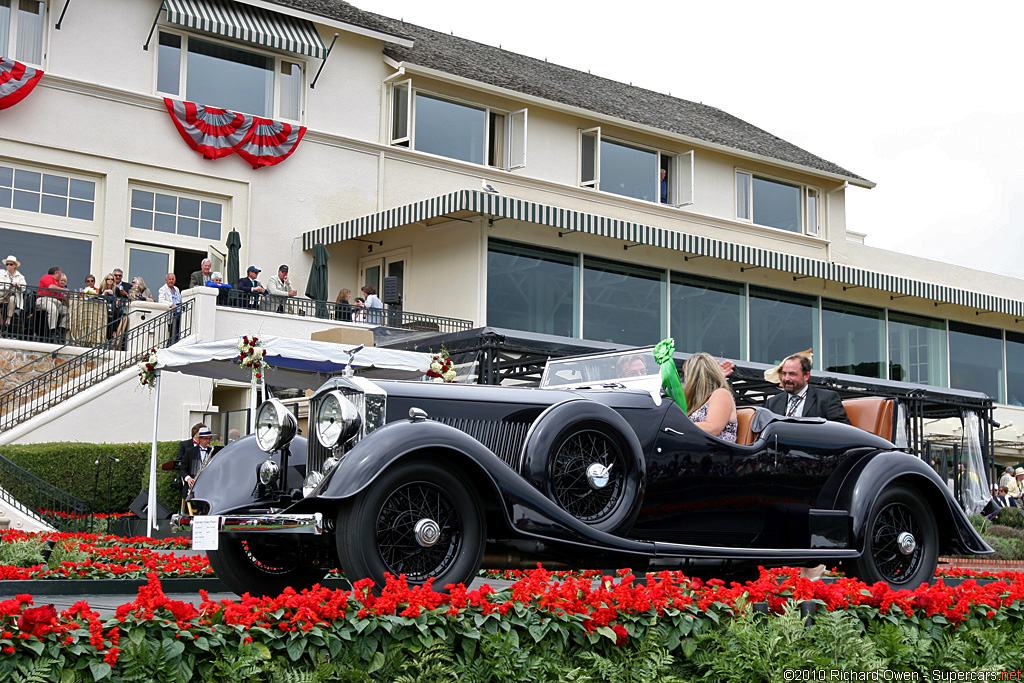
(632,170)
(176,213)
(447,127)
(53,194)
(219,74)
(777,203)
(22,27)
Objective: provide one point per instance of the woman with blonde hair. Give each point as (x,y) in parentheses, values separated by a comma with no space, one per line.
(709,398)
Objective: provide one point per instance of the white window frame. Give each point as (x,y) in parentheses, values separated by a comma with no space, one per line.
(680,168)
(512,150)
(278,59)
(20,215)
(744,185)
(12,35)
(154,236)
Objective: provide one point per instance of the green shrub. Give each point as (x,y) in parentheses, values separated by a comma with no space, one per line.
(72,468)
(980,522)
(1011,517)
(22,553)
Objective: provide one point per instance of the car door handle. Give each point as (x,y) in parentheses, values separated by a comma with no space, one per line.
(669,430)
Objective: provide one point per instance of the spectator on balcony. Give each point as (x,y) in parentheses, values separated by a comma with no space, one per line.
(50,300)
(343,311)
(250,288)
(171,295)
(12,291)
(123,288)
(201,276)
(279,285)
(110,292)
(90,288)
(359,310)
(374,306)
(223,288)
(139,290)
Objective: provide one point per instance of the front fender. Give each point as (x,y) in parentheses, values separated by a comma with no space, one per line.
(228,482)
(526,510)
(871,475)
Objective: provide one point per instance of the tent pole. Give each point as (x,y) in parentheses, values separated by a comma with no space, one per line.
(252,405)
(151,503)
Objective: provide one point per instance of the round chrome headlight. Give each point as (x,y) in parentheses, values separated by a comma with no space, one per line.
(275,425)
(313,480)
(269,472)
(337,420)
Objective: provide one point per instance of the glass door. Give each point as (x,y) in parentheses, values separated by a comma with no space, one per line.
(151,264)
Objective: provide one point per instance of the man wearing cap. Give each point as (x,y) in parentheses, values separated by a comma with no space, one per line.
(799,399)
(251,287)
(280,286)
(12,291)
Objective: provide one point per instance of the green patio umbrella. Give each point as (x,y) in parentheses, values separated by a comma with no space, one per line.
(316,287)
(231,269)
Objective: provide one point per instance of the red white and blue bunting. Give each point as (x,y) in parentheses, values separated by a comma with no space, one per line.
(216,133)
(16,81)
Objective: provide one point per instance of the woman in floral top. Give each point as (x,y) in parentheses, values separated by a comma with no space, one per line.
(709,397)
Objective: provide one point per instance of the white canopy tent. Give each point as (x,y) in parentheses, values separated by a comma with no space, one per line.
(294,363)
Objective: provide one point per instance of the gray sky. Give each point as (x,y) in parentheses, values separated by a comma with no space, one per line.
(924,99)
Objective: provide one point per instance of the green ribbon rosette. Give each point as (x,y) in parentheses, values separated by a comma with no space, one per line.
(663,353)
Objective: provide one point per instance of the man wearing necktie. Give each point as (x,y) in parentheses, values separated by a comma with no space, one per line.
(196,457)
(799,399)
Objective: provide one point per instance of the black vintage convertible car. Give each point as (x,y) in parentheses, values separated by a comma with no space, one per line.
(435,480)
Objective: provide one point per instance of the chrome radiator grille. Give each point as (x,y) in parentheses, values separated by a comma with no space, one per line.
(504,439)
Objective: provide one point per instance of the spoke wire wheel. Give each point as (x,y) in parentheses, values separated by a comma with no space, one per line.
(418,518)
(901,541)
(890,543)
(588,498)
(418,531)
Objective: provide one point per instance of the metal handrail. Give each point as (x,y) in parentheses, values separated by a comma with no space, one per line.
(36,497)
(82,319)
(330,310)
(77,374)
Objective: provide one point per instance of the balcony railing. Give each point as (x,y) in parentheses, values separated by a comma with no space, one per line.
(60,317)
(329,310)
(36,497)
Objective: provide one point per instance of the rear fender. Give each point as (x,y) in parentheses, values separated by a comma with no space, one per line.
(873,474)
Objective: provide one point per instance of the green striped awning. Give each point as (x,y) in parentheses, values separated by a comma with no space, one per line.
(499,206)
(251,24)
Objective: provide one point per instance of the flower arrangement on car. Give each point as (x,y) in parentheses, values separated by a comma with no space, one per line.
(251,354)
(441,367)
(147,369)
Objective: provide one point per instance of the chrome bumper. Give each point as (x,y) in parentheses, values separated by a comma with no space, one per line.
(262,524)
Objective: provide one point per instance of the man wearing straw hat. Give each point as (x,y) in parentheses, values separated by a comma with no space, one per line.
(12,290)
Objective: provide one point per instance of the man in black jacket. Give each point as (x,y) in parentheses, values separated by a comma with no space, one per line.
(194,458)
(185,451)
(800,399)
(251,288)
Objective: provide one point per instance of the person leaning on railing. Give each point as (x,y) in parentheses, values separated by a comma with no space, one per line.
(50,300)
(223,288)
(12,291)
(139,290)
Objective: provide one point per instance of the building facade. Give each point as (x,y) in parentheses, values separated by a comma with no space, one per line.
(620,214)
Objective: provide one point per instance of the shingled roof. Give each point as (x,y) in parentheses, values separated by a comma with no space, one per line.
(501,68)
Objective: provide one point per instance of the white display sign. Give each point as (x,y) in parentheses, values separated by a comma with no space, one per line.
(204,532)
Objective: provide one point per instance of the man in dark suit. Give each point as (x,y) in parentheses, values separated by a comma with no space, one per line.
(250,288)
(194,458)
(185,450)
(800,399)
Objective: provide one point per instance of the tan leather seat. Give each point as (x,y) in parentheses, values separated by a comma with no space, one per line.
(744,433)
(871,414)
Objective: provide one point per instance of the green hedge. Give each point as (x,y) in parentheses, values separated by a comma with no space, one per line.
(71,467)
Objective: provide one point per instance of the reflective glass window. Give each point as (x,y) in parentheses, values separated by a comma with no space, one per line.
(450,129)
(707,315)
(917,349)
(781,324)
(629,171)
(976,359)
(22,29)
(168,71)
(1014,368)
(173,214)
(225,76)
(776,204)
(291,90)
(47,193)
(532,289)
(852,339)
(622,302)
(38,251)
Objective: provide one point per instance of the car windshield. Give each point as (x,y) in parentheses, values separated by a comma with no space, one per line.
(632,367)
